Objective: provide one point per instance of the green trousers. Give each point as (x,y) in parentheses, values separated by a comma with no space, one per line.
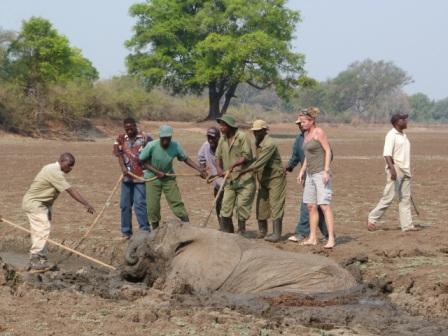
(271,198)
(239,196)
(154,191)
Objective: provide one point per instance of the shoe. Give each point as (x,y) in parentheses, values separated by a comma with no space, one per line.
(39,263)
(277,226)
(155,225)
(125,237)
(262,229)
(184,220)
(227,224)
(296,238)
(412,229)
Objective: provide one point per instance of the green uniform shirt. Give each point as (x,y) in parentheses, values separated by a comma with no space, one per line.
(46,187)
(268,163)
(160,158)
(241,147)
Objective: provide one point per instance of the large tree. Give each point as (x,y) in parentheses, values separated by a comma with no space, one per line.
(40,56)
(188,46)
(364,84)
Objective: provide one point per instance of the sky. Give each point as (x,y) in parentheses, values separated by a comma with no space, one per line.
(332,34)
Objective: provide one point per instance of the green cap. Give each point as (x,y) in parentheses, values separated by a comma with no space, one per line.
(228,120)
(165,131)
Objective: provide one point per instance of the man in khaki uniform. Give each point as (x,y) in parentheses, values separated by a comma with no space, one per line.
(397,153)
(234,153)
(272,182)
(38,202)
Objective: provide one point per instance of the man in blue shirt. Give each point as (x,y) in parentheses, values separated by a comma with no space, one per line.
(303,226)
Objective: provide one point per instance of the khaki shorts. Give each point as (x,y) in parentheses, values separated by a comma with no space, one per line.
(315,191)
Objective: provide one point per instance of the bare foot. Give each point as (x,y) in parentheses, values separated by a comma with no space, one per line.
(308,242)
(330,244)
(371,226)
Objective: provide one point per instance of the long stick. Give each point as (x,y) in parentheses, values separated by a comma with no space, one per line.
(95,221)
(221,188)
(59,245)
(155,177)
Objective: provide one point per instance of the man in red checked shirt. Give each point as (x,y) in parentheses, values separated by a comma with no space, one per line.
(133,193)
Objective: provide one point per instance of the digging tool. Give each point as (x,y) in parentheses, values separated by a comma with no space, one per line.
(95,221)
(59,245)
(221,188)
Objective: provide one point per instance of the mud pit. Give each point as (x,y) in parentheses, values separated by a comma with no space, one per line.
(404,289)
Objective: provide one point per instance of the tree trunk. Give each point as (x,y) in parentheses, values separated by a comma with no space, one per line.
(229,95)
(213,98)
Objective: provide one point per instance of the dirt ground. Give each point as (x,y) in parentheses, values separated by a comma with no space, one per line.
(410,270)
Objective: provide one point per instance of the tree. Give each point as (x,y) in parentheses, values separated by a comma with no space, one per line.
(421,106)
(6,37)
(440,110)
(40,56)
(364,84)
(188,46)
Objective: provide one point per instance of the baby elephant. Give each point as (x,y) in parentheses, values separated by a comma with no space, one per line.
(186,256)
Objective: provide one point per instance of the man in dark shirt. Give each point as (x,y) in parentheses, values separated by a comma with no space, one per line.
(127,148)
(303,226)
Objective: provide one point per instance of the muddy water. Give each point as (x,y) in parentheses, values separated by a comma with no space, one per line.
(365,307)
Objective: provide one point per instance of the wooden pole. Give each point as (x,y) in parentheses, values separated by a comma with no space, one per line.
(221,188)
(95,221)
(59,245)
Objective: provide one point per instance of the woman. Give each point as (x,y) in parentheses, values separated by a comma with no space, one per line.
(318,189)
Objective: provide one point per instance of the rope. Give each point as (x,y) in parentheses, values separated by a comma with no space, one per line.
(95,221)
(59,245)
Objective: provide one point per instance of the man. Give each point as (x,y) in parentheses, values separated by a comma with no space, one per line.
(127,147)
(38,202)
(303,226)
(235,151)
(157,157)
(272,182)
(397,154)
(207,160)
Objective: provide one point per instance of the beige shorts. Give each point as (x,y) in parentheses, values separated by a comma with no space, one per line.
(315,191)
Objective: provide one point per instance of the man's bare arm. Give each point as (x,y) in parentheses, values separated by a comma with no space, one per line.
(76,195)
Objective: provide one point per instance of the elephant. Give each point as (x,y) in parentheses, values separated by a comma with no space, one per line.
(177,255)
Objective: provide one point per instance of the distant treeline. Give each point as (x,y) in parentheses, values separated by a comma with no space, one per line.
(44,80)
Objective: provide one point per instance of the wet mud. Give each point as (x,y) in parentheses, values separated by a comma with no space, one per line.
(364,309)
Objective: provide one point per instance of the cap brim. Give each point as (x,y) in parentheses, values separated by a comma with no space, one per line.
(298,121)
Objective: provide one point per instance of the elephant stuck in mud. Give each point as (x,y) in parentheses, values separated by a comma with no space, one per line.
(175,257)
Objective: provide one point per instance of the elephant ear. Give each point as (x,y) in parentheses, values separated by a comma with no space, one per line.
(203,259)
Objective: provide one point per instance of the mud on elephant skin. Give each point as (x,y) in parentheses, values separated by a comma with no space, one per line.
(186,256)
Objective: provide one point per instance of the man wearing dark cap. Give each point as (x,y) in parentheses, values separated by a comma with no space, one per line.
(207,160)
(234,153)
(397,154)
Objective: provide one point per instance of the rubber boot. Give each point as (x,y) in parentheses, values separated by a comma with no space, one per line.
(227,224)
(242,228)
(277,226)
(262,229)
(155,225)
(184,220)
(221,226)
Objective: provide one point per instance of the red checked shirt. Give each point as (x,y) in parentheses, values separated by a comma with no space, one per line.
(130,149)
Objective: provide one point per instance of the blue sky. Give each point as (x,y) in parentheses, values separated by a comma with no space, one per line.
(332,34)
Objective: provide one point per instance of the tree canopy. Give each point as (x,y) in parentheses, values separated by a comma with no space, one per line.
(40,56)
(192,45)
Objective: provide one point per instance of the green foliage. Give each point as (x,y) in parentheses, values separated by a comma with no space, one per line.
(188,46)
(421,107)
(366,91)
(40,56)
